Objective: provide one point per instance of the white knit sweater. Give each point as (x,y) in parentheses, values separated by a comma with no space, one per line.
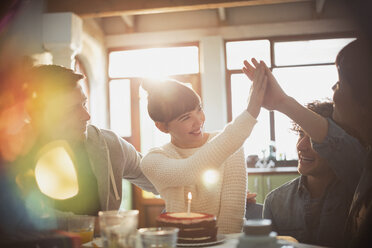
(175,172)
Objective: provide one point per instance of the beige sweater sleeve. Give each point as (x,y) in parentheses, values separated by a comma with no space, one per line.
(164,171)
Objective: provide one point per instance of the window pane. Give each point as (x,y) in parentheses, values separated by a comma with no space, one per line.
(258,141)
(238,51)
(305,84)
(120,107)
(154,62)
(308,52)
(151,136)
(285,138)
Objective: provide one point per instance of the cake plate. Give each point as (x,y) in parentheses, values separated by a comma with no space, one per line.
(220,238)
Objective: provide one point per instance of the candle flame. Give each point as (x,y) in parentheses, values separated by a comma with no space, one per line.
(189,196)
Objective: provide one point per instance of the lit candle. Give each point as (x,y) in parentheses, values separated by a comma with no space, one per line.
(189,196)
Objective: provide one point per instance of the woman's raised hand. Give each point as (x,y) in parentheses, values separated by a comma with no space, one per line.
(257,91)
(274,97)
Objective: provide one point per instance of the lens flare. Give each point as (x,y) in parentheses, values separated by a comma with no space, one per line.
(55,171)
(210,177)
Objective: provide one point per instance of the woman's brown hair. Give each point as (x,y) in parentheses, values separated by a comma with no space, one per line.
(168,99)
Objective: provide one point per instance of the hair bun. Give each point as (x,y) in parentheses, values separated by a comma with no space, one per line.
(149,85)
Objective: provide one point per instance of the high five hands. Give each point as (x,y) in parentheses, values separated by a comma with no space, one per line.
(274,98)
(257,91)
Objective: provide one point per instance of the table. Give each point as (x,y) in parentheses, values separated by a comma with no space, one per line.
(230,242)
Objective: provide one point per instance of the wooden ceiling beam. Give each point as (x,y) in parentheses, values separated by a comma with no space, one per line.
(222,14)
(103,8)
(128,20)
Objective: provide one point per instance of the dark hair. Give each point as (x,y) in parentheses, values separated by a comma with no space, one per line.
(47,81)
(354,64)
(324,109)
(168,99)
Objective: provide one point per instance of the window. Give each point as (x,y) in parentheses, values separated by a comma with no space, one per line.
(305,70)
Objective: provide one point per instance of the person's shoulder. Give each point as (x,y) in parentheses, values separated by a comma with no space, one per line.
(114,142)
(105,132)
(284,191)
(165,149)
(214,134)
(338,139)
(94,130)
(155,150)
(153,157)
(337,133)
(109,135)
(334,129)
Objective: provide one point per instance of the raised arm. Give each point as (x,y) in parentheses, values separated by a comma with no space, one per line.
(165,171)
(344,153)
(275,98)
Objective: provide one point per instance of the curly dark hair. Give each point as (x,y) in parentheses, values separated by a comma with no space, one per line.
(324,109)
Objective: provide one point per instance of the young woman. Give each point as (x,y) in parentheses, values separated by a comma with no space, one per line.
(193,155)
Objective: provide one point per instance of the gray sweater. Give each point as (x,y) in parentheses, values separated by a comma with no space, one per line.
(112,159)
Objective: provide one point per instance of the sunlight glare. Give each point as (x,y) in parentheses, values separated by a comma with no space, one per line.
(154,62)
(308,51)
(210,177)
(55,171)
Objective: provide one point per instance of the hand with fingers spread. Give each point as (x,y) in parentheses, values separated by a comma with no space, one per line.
(274,97)
(257,91)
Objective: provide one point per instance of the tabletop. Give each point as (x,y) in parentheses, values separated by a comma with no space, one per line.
(231,241)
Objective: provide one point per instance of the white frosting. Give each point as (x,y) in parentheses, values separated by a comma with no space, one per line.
(185,215)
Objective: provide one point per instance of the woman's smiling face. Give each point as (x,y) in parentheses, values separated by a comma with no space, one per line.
(186,130)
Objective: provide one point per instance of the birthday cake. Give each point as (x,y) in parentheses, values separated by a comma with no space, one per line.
(194,227)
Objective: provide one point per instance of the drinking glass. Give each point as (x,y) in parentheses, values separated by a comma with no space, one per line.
(118,228)
(158,237)
(83,225)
